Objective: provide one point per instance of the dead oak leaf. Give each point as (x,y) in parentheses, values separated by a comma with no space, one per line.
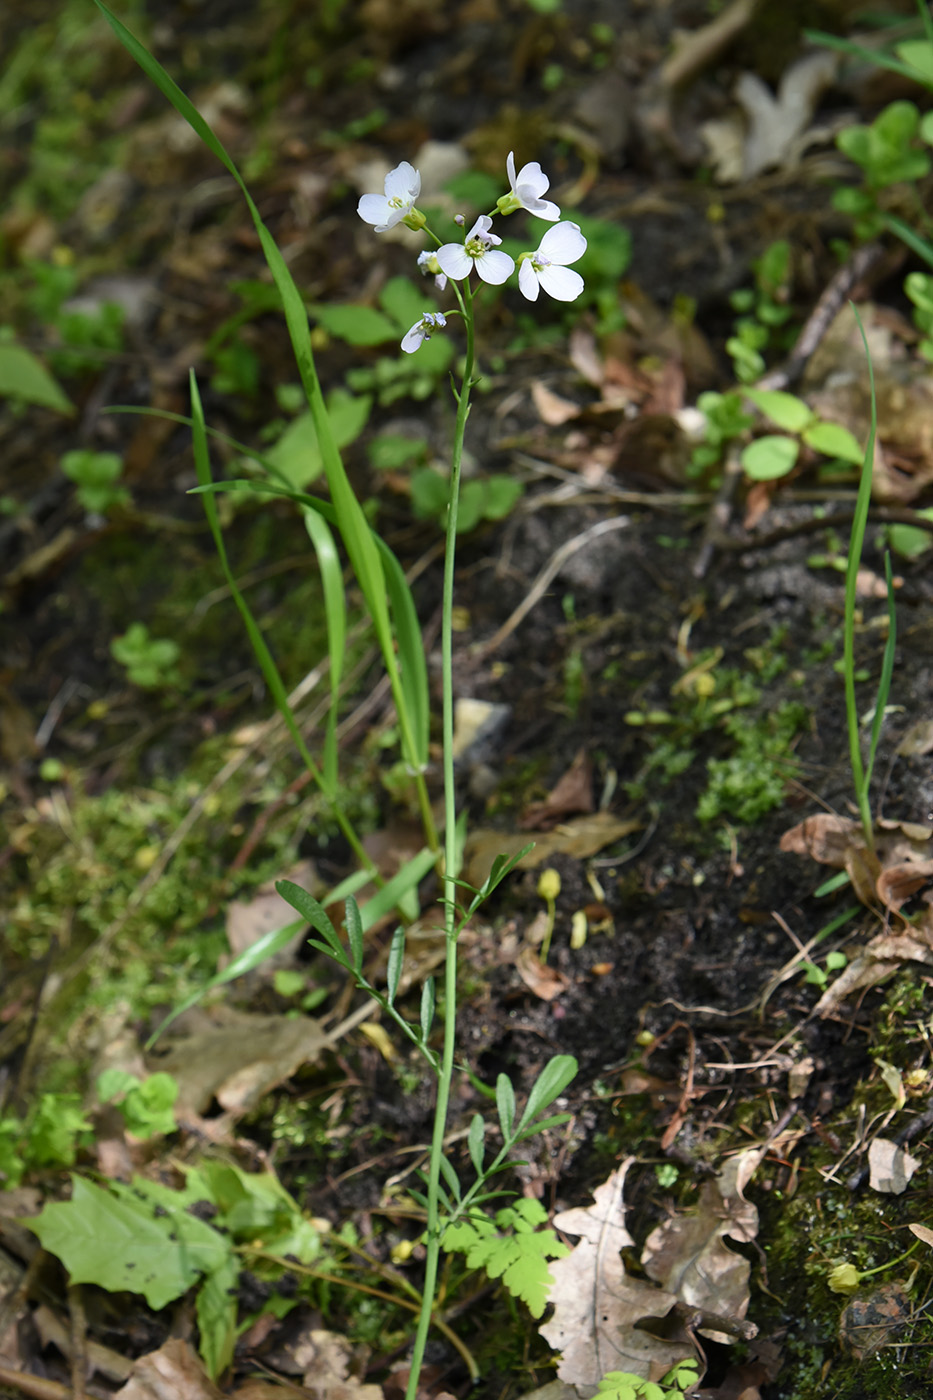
(597,1305)
(688,1256)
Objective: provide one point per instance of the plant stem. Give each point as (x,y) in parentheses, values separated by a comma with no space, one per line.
(450,863)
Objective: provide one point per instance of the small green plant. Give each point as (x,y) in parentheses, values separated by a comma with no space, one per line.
(49,1136)
(511,1246)
(84,336)
(24,379)
(481,498)
(389,603)
(96,474)
(625,1385)
(818,976)
(144,1238)
(763,311)
(773,456)
(149,661)
(146,1105)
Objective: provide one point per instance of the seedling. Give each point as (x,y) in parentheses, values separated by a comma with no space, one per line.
(149,661)
(95,475)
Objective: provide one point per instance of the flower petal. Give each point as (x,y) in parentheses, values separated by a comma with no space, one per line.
(404,182)
(413,338)
(527,281)
(510,168)
(374,208)
(543,209)
(454,260)
(563,243)
(561,283)
(532,181)
(494,267)
(482,226)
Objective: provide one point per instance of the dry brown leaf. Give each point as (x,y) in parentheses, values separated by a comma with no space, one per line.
(597,1304)
(236,1057)
(581,837)
(329,1363)
(546,982)
(891,1167)
(917,741)
(173,1372)
(871,1322)
(688,1255)
(250,920)
(552,409)
(572,793)
(923,1232)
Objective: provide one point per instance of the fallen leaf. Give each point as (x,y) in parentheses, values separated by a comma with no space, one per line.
(917,741)
(545,981)
(869,1323)
(235,1057)
(572,793)
(250,920)
(173,1372)
(552,409)
(688,1255)
(891,1166)
(597,1304)
(582,837)
(923,1233)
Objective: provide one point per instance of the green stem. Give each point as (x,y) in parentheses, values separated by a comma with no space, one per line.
(856,542)
(445,1077)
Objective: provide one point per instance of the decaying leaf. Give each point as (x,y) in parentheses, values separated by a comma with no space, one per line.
(869,1323)
(174,1372)
(236,1057)
(891,1166)
(573,793)
(597,1306)
(249,920)
(542,979)
(917,741)
(688,1256)
(580,837)
(899,867)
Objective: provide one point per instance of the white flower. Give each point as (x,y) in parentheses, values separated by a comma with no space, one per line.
(403,186)
(477,250)
(422,329)
(429,264)
(527,188)
(547,268)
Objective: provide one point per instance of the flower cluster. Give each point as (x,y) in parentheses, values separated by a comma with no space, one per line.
(548,268)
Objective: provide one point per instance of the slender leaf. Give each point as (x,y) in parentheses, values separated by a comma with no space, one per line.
(476,1142)
(335,614)
(311,911)
(887,671)
(355,934)
(265,947)
(427,1008)
(24,377)
(505,1103)
(450,1176)
(387,899)
(552,1080)
(394,964)
(414,674)
(540,1124)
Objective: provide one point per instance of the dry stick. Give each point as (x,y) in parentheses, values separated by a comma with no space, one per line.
(540,586)
(79,1349)
(834,297)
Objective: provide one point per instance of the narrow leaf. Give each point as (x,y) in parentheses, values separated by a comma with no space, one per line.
(476,1142)
(24,377)
(552,1080)
(387,899)
(505,1103)
(394,965)
(427,1008)
(355,934)
(311,911)
(450,1176)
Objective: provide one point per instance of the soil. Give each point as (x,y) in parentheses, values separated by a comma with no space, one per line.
(690,1042)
